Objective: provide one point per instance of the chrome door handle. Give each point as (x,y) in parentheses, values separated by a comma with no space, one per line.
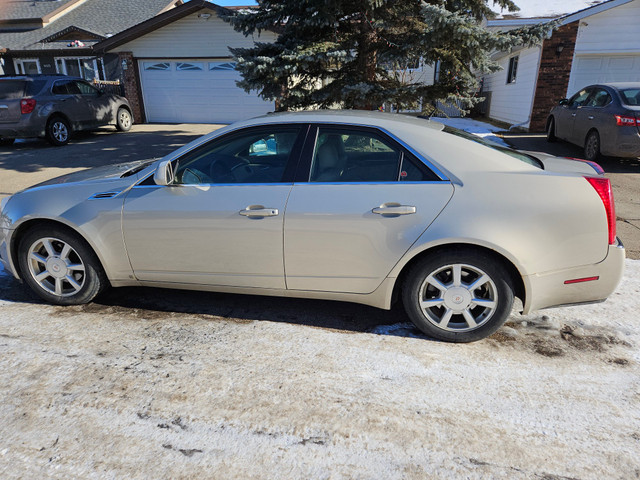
(590,117)
(258,211)
(394,209)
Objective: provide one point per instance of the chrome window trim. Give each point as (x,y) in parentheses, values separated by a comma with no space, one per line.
(181,185)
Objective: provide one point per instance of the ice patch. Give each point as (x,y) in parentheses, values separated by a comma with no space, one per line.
(481,129)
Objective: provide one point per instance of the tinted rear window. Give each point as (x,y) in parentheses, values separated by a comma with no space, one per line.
(10,89)
(495,146)
(631,96)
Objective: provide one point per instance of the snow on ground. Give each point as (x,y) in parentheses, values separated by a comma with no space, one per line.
(160,384)
(481,129)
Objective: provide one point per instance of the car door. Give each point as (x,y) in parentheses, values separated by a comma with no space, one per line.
(100,106)
(69,101)
(570,113)
(359,203)
(590,114)
(220,222)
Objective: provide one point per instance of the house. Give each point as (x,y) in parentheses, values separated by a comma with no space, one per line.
(599,43)
(56,36)
(178,67)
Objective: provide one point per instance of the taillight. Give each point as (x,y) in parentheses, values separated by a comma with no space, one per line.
(627,121)
(603,187)
(27,105)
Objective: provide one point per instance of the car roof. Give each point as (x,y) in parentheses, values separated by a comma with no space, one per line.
(617,85)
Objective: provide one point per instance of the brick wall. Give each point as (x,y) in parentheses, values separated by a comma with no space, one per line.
(553,76)
(132,90)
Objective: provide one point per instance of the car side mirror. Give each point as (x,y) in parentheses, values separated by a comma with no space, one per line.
(164,174)
(564,101)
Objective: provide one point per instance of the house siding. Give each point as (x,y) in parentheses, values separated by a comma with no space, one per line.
(613,31)
(193,37)
(511,102)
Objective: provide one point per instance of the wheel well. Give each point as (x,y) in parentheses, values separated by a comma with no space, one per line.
(61,115)
(593,129)
(28,225)
(516,279)
(549,121)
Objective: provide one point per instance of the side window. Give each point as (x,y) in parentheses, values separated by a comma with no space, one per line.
(60,88)
(351,155)
(86,89)
(251,156)
(600,98)
(579,98)
(512,73)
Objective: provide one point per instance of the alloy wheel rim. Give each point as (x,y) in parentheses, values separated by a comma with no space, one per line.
(56,267)
(60,132)
(125,119)
(458,298)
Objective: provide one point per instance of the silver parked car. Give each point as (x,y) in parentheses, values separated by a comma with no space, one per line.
(354,206)
(605,119)
(55,106)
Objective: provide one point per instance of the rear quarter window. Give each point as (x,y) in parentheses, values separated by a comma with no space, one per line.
(12,89)
(631,96)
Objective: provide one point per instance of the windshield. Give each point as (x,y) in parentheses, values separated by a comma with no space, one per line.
(11,89)
(631,96)
(528,159)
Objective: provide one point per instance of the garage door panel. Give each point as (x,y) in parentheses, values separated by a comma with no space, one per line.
(196,96)
(590,69)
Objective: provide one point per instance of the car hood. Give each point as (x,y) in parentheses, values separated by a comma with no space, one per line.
(106,172)
(565,165)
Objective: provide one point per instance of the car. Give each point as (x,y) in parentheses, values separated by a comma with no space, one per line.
(354,206)
(55,106)
(603,118)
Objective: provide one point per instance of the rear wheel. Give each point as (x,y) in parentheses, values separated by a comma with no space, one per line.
(58,131)
(6,142)
(551,130)
(592,146)
(123,120)
(458,296)
(59,266)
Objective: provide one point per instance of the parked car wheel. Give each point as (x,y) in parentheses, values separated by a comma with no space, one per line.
(551,130)
(592,146)
(124,120)
(60,266)
(58,131)
(458,296)
(5,142)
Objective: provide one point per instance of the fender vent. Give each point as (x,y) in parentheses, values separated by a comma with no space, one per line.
(102,195)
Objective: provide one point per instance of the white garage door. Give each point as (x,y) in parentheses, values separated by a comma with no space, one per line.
(590,69)
(196,91)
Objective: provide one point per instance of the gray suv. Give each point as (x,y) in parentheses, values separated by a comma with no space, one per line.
(54,106)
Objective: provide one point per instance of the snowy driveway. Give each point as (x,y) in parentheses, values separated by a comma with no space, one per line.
(164,384)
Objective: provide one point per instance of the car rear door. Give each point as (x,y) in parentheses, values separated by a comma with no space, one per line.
(68,100)
(220,223)
(359,202)
(590,115)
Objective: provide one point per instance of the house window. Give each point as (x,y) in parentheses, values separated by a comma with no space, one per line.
(87,68)
(27,66)
(513,69)
(157,66)
(222,66)
(188,66)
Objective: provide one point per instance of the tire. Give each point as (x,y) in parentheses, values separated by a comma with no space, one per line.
(448,312)
(551,130)
(592,146)
(58,131)
(75,275)
(6,142)
(123,120)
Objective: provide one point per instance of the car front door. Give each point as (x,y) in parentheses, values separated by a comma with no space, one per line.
(220,222)
(569,113)
(99,109)
(359,204)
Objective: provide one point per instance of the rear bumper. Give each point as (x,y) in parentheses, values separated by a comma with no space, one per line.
(549,290)
(625,142)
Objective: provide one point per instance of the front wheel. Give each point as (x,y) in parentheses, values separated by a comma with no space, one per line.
(458,296)
(58,131)
(59,266)
(592,146)
(123,120)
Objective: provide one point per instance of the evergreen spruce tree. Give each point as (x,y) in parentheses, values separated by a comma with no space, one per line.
(356,53)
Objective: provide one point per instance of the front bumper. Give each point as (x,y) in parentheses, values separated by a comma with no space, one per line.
(549,289)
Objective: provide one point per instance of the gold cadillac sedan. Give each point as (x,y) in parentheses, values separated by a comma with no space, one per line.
(342,205)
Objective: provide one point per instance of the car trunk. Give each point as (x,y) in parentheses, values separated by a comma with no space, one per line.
(566,165)
(11,94)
